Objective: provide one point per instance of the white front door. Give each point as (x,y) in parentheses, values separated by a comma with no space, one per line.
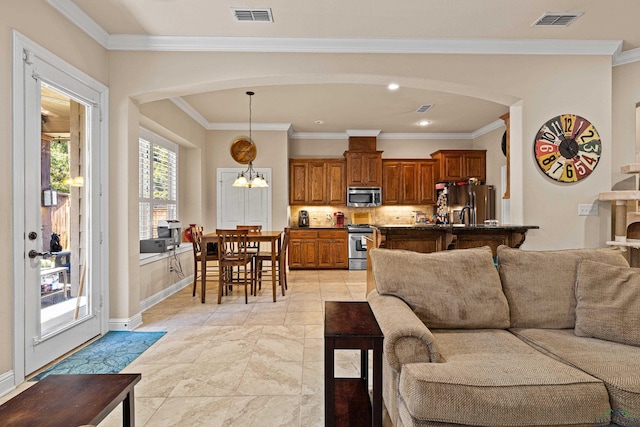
(242,206)
(58,211)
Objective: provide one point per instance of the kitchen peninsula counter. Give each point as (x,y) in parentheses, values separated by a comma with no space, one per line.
(441,237)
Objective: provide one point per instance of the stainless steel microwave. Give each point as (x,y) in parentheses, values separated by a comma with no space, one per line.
(364,197)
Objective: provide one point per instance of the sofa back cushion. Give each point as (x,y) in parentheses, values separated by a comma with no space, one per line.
(458,289)
(608,302)
(539,285)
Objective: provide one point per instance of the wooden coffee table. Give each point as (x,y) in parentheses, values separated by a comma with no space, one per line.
(72,400)
(352,325)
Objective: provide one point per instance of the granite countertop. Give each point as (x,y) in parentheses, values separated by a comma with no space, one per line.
(455,227)
(328,227)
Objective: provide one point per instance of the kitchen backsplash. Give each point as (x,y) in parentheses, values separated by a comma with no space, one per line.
(322,216)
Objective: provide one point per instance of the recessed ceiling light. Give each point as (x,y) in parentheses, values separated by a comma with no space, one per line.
(424,122)
(393,86)
(319,122)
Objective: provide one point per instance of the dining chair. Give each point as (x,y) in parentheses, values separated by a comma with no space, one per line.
(211,254)
(281,264)
(232,252)
(252,247)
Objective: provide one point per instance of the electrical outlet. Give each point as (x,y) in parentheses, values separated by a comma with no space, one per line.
(328,217)
(588,209)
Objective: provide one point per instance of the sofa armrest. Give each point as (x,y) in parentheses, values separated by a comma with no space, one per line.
(406,338)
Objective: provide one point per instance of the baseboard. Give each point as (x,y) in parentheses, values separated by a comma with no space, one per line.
(123,324)
(120,324)
(7,383)
(165,293)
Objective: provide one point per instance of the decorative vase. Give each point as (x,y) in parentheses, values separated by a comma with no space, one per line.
(186,234)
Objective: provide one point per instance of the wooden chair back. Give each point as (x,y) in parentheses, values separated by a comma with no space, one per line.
(232,245)
(252,246)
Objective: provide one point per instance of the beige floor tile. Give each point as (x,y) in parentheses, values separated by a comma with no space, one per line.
(169,351)
(237,364)
(304,318)
(192,412)
(145,407)
(312,410)
(266,318)
(264,411)
(271,377)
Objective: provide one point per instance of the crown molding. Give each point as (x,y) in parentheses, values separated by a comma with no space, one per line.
(73,13)
(190,111)
(626,57)
(333,45)
(488,128)
(330,45)
(284,127)
(363,132)
(381,136)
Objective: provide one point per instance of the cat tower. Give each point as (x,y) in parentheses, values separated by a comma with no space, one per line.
(626,224)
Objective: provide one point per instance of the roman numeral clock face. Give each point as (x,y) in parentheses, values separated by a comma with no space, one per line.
(567,148)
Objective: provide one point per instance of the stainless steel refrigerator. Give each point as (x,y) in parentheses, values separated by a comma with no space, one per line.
(459,196)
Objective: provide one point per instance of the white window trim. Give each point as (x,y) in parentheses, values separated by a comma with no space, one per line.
(158,140)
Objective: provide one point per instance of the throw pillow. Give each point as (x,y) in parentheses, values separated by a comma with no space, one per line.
(608,302)
(539,285)
(450,289)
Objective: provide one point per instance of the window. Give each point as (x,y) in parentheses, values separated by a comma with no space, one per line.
(158,189)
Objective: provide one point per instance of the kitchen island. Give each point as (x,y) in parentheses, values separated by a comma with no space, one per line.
(441,237)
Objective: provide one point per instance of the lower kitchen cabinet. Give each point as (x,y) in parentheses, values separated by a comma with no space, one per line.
(310,249)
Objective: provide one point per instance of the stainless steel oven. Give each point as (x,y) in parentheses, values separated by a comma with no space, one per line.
(358,245)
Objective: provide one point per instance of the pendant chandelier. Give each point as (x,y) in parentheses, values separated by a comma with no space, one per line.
(250,178)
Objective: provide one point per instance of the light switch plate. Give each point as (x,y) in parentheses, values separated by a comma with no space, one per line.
(588,209)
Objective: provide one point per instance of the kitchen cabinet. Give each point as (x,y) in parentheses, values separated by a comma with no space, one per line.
(460,165)
(364,168)
(317,182)
(408,182)
(322,248)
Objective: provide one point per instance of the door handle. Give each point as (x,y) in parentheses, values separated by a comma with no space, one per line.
(33,254)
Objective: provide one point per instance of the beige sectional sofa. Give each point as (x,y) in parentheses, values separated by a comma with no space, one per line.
(550,338)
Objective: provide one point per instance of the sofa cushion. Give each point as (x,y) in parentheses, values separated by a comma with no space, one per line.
(491,378)
(617,365)
(608,302)
(540,285)
(450,289)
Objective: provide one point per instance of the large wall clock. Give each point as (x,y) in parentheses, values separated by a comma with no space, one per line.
(567,148)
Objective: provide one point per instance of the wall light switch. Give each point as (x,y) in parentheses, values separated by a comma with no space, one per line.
(588,209)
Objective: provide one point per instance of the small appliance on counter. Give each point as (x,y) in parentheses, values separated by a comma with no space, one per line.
(303,219)
(339,219)
(170,229)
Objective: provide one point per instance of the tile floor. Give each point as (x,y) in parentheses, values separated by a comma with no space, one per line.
(237,364)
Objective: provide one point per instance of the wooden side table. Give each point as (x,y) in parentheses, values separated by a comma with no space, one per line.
(71,400)
(352,325)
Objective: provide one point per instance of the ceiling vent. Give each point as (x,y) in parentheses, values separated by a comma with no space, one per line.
(556,19)
(424,108)
(252,15)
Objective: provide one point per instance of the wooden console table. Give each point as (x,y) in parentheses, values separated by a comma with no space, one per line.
(72,400)
(352,325)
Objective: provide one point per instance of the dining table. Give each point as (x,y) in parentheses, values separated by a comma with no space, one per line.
(272,237)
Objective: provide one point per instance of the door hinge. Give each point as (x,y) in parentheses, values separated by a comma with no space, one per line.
(27,57)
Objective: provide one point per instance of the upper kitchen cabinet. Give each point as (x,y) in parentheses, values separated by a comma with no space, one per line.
(364,168)
(408,182)
(460,165)
(317,182)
